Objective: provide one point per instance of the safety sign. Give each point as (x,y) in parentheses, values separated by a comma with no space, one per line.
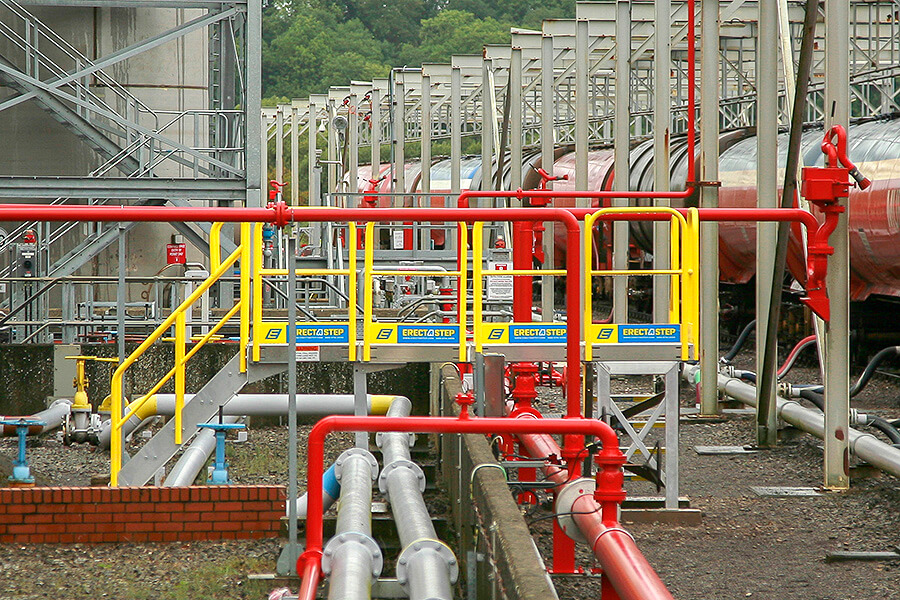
(307,333)
(424,333)
(636,334)
(524,333)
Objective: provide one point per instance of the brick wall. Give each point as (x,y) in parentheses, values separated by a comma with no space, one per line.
(61,515)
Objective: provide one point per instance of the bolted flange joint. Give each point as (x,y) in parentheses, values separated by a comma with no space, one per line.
(565,499)
(352,537)
(426,545)
(400,464)
(349,454)
(379,437)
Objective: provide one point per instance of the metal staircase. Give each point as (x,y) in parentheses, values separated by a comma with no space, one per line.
(224,385)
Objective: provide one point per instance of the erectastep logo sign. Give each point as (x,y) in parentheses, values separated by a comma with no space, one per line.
(307,333)
(636,334)
(395,333)
(524,333)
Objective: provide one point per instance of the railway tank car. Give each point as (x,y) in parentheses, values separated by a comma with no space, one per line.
(874,214)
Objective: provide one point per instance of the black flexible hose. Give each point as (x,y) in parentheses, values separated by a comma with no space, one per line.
(870,368)
(884,427)
(814,397)
(745,333)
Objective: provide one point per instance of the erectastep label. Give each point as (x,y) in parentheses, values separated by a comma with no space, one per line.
(426,333)
(307,333)
(636,334)
(524,333)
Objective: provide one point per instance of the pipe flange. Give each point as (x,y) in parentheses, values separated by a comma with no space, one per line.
(565,499)
(426,545)
(346,454)
(400,464)
(379,436)
(352,537)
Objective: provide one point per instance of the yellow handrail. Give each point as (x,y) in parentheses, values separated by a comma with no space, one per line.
(116,382)
(135,406)
(684,259)
(215,246)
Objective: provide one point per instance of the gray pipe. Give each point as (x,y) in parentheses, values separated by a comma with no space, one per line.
(54,416)
(194,457)
(865,445)
(253,405)
(351,558)
(426,568)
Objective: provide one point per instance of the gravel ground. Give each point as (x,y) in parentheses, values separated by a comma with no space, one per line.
(746,547)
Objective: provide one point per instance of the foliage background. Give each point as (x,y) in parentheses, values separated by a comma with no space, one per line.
(310,45)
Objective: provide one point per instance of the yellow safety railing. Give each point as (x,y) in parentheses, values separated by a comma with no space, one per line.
(372,330)
(259,272)
(478,275)
(683,273)
(177,318)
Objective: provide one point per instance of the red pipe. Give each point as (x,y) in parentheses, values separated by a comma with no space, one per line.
(610,458)
(628,570)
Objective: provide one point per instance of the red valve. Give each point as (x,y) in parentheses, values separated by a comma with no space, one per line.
(824,187)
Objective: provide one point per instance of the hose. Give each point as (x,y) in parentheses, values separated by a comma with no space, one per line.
(792,357)
(885,427)
(745,333)
(870,368)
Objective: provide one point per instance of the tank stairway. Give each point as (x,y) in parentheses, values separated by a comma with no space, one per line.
(224,385)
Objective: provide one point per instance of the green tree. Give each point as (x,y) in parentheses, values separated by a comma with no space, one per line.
(453,32)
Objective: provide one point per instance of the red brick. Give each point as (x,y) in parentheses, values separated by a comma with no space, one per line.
(21,509)
(271,515)
(110,527)
(68,518)
(168,507)
(139,507)
(81,528)
(173,536)
(38,518)
(98,518)
(110,537)
(258,506)
(6,496)
(165,495)
(98,495)
(243,516)
(197,506)
(158,517)
(113,495)
(22,528)
(197,527)
(127,518)
(53,528)
(36,539)
(155,495)
(3,509)
(244,494)
(4,519)
(155,537)
(185,516)
(228,506)
(255,526)
(226,526)
(141,527)
(7,539)
(67,495)
(227,535)
(169,527)
(135,537)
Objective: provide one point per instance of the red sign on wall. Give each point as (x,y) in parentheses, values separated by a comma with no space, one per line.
(176,254)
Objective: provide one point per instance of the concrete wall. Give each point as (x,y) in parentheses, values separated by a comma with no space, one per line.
(484,513)
(27,375)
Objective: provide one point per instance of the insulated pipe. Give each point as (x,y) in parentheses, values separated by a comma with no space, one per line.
(427,568)
(627,568)
(865,445)
(331,491)
(254,405)
(54,416)
(352,558)
(194,457)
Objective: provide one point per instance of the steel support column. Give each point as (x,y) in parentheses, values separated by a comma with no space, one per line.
(399,135)
(455,129)
(622,148)
(709,198)
(253,106)
(515,119)
(767,197)
(837,330)
(425,185)
(488,125)
(353,142)
(582,107)
(375,124)
(547,147)
(662,116)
